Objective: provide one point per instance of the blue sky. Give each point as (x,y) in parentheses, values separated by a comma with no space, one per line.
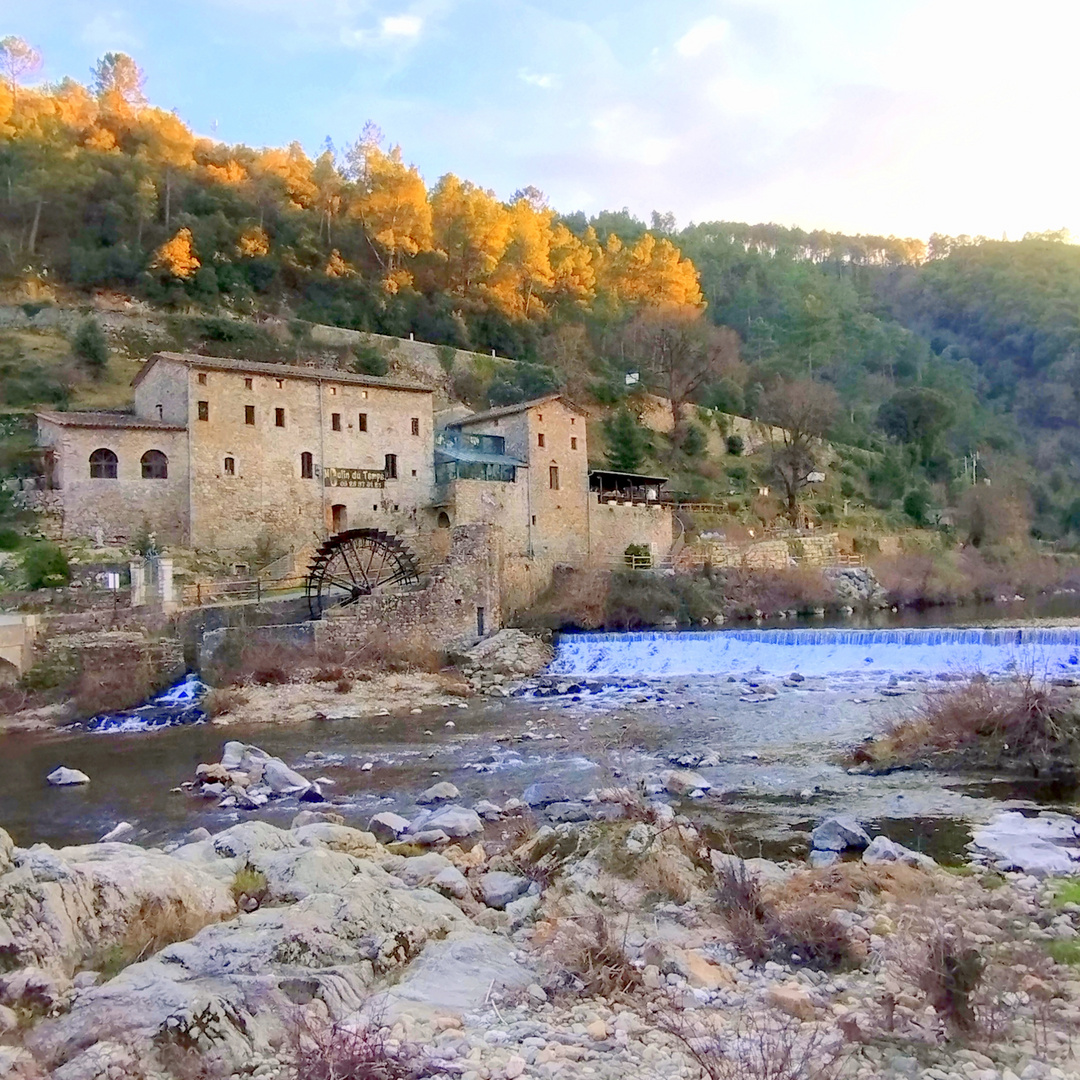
(898,116)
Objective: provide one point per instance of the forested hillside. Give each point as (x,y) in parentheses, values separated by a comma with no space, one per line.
(936,353)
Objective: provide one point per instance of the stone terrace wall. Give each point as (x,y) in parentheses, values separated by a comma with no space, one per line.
(775,554)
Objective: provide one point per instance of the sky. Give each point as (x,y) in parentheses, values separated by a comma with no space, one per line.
(895,117)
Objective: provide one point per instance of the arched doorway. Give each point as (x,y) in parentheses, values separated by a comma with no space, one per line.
(339,518)
(443,520)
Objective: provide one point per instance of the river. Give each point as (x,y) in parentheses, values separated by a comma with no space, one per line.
(763,714)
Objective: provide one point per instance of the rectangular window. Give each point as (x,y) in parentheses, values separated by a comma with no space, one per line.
(204,410)
(553,477)
(335,421)
(333,391)
(279,418)
(362,422)
(202,378)
(540,439)
(415,422)
(281,383)
(247,384)
(249,415)
(573,443)
(390,469)
(230,466)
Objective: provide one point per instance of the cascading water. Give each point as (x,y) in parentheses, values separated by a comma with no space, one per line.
(1041,651)
(180,704)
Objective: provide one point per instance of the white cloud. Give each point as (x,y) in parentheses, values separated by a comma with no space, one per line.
(703,36)
(545,82)
(402,26)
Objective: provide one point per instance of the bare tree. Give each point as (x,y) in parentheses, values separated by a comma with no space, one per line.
(803,411)
(18,58)
(680,352)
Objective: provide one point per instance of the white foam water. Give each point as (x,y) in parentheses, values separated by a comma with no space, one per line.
(1041,651)
(179,704)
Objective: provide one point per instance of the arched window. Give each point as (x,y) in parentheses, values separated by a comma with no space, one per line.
(230,466)
(307,466)
(155,465)
(443,520)
(103,465)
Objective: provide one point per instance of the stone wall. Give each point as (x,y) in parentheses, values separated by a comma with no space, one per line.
(771,554)
(445,612)
(120,509)
(266,491)
(614,526)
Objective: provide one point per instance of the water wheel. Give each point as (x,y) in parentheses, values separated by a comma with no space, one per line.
(356,563)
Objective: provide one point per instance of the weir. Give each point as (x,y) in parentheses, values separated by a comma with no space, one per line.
(1039,650)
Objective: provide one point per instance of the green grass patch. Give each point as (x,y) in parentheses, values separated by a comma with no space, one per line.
(1067,891)
(1064,952)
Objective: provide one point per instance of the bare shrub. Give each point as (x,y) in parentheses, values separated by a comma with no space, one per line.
(222,700)
(803,929)
(343,686)
(121,681)
(321,1050)
(986,723)
(760,1045)
(936,954)
(591,951)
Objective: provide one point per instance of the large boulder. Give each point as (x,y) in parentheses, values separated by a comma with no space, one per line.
(685,782)
(62,776)
(883,850)
(362,845)
(387,826)
(1045,845)
(438,793)
(455,821)
(247,976)
(839,833)
(499,889)
(281,779)
(60,910)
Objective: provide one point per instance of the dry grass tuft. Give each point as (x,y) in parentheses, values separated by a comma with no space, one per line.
(219,701)
(321,1050)
(802,928)
(156,924)
(985,723)
(591,953)
(761,1045)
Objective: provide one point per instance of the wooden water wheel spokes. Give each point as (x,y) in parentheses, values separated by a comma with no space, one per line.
(357,563)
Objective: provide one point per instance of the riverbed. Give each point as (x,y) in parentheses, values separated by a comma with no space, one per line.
(732,705)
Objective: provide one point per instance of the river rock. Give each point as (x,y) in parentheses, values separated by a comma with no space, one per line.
(429,838)
(839,833)
(438,793)
(456,821)
(567,811)
(7,847)
(545,792)
(684,782)
(281,779)
(450,881)
(387,826)
(498,888)
(232,754)
(62,776)
(793,1000)
(311,817)
(489,811)
(249,837)
(1042,846)
(423,869)
(361,845)
(883,850)
(118,831)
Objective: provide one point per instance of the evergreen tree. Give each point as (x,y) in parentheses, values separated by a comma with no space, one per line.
(90,347)
(628,441)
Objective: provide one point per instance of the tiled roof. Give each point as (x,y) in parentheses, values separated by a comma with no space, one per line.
(279,371)
(107,420)
(510,410)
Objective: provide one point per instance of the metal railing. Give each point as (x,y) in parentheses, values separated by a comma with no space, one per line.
(198,593)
